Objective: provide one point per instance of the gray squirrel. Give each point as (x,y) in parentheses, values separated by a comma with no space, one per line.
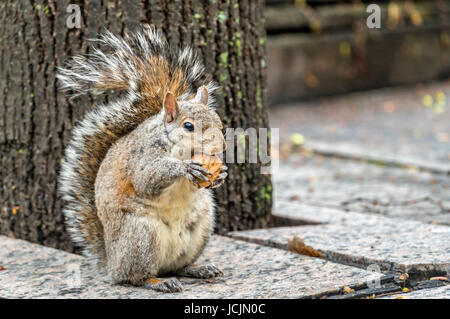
(132,201)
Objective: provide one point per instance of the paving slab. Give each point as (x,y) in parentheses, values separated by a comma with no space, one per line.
(407,126)
(250,271)
(304,214)
(395,245)
(348,185)
(435,293)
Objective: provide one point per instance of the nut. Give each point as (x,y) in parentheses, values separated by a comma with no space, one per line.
(212,164)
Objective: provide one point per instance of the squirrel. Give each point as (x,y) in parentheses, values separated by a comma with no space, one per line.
(130,188)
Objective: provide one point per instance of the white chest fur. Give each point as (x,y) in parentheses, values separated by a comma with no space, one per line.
(183,219)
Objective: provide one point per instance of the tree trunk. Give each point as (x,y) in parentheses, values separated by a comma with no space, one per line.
(36,120)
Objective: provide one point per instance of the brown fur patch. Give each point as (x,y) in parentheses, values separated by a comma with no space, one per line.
(153,281)
(111,83)
(157,79)
(126,188)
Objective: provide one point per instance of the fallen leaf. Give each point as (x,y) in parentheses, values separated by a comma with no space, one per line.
(404,277)
(427,100)
(297,139)
(348,290)
(389,107)
(297,244)
(439,278)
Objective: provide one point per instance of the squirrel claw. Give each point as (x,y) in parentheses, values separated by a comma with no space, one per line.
(193,180)
(169,285)
(192,162)
(219,180)
(195,169)
(200,175)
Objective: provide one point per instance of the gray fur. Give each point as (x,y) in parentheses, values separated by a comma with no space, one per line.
(129,246)
(137,225)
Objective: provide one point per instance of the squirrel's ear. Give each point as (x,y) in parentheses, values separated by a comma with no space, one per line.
(170,106)
(202,95)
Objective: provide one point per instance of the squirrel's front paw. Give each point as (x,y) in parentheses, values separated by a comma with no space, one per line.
(195,171)
(165,285)
(221,178)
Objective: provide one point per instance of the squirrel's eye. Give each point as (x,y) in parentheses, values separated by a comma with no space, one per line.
(189,126)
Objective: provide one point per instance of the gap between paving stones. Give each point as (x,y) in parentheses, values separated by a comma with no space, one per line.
(442,292)
(361,187)
(359,240)
(250,271)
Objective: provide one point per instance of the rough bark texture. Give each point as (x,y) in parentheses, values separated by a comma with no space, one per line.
(36,120)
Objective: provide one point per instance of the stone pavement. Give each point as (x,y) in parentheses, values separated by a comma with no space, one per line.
(403,126)
(393,245)
(366,179)
(361,187)
(250,271)
(363,193)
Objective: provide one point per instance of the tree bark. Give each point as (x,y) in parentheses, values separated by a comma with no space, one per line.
(36,119)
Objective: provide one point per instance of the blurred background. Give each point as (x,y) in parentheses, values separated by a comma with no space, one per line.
(363,112)
(323,47)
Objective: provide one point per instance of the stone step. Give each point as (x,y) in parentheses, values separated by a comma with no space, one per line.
(305,186)
(302,66)
(250,271)
(387,244)
(339,17)
(358,152)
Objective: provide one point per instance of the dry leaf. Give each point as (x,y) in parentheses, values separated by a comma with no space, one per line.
(348,290)
(404,276)
(297,244)
(439,278)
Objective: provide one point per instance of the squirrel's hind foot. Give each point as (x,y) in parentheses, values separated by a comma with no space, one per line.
(168,285)
(203,271)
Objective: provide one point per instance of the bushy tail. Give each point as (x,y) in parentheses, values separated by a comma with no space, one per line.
(133,62)
(145,67)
